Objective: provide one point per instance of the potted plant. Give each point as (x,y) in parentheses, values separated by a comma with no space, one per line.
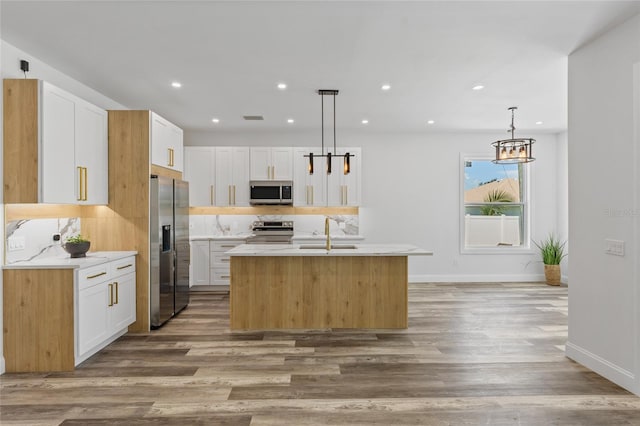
(552,252)
(77,246)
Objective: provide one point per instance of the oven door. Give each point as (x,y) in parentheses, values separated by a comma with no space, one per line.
(265,194)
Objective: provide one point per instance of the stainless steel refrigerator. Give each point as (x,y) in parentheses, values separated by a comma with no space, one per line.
(169,231)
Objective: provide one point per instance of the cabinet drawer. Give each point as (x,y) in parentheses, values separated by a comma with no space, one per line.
(123,266)
(220,276)
(220,260)
(94,275)
(222,246)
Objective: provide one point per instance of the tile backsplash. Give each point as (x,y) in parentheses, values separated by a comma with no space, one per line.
(206,225)
(36,236)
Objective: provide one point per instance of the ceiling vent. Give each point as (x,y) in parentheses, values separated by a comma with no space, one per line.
(253,117)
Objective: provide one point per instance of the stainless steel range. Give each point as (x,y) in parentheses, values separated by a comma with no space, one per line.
(271,232)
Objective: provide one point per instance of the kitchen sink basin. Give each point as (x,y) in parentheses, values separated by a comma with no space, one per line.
(324,246)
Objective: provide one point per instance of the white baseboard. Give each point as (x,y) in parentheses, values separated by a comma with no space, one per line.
(606,369)
(476,278)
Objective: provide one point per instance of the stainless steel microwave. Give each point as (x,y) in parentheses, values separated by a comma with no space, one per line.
(271,192)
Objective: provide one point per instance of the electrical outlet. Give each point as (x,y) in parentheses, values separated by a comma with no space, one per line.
(614,247)
(16,243)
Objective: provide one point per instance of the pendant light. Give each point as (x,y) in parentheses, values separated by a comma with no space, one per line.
(510,151)
(329,155)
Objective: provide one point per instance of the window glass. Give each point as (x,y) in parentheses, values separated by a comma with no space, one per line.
(495,204)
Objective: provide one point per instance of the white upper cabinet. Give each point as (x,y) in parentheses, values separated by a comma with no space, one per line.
(166,143)
(74,146)
(232,176)
(344,189)
(271,163)
(309,189)
(92,152)
(199,171)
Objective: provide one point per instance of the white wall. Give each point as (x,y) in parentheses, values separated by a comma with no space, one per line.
(10,68)
(562,197)
(411,194)
(603,203)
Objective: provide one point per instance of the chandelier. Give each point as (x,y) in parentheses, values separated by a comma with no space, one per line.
(509,151)
(329,155)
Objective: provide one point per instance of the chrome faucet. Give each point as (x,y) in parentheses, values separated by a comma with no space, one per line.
(326,232)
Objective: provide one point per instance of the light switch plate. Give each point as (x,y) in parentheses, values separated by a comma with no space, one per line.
(614,247)
(16,243)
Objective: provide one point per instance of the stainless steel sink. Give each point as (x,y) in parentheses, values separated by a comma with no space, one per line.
(324,246)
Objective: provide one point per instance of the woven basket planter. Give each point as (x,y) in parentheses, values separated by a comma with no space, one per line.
(552,274)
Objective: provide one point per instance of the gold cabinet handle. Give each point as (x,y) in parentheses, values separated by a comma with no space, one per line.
(306,195)
(116,285)
(96,275)
(225,276)
(229,195)
(170,162)
(86,184)
(110,295)
(234,195)
(211,194)
(225,260)
(79,183)
(268,172)
(273,172)
(346,195)
(124,267)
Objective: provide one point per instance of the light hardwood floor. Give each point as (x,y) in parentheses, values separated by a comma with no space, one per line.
(489,354)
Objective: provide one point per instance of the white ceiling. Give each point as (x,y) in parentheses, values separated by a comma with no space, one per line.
(229,57)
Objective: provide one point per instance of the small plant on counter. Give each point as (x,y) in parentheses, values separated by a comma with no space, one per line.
(77,246)
(75,239)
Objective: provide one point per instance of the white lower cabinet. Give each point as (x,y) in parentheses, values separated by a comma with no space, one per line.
(220,262)
(106,305)
(199,263)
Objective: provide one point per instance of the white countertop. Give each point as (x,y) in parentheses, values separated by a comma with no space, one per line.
(322,237)
(360,250)
(219,237)
(318,237)
(66,262)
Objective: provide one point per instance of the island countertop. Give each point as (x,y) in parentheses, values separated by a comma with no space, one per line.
(359,250)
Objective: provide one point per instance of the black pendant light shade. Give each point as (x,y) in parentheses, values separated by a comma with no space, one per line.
(329,155)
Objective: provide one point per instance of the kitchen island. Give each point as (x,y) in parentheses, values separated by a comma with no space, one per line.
(297,286)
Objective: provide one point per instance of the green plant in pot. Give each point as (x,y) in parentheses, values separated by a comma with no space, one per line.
(77,246)
(552,252)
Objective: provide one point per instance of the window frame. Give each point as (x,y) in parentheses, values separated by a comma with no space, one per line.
(526,199)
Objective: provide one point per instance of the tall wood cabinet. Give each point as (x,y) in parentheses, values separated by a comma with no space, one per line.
(55,146)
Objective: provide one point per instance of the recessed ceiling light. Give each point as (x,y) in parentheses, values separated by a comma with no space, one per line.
(386,87)
(215,120)
(290,120)
(478,87)
(365,121)
(430,122)
(282,86)
(176,84)
(538,122)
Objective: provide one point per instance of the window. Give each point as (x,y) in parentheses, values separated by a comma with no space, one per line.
(495,205)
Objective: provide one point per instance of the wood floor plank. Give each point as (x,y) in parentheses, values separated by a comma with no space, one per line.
(474,353)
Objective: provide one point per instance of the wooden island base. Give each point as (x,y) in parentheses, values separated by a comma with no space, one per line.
(270,292)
